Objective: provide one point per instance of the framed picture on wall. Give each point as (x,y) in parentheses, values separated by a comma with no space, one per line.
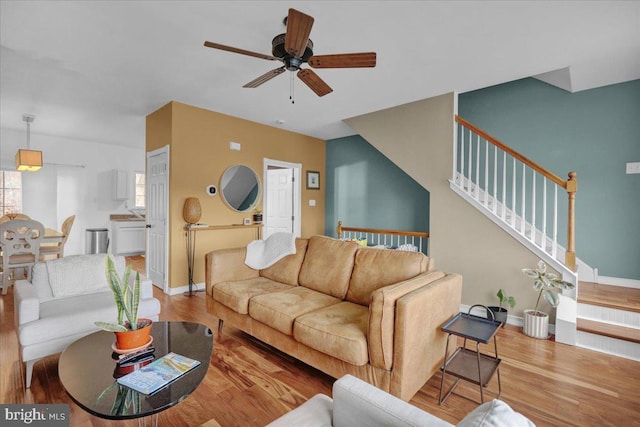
(313,180)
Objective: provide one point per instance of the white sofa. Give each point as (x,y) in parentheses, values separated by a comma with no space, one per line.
(51,314)
(358,403)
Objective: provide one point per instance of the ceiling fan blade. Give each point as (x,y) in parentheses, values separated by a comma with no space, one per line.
(240,51)
(298,30)
(314,82)
(265,77)
(344,60)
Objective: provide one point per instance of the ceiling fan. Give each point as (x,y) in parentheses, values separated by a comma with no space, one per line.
(294,48)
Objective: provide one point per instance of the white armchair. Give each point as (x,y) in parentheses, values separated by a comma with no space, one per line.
(63,300)
(358,403)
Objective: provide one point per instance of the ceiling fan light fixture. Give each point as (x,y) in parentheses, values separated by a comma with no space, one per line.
(28,160)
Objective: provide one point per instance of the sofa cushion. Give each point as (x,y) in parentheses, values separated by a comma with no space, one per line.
(339,331)
(328,265)
(236,295)
(279,309)
(375,268)
(495,414)
(61,317)
(288,268)
(40,275)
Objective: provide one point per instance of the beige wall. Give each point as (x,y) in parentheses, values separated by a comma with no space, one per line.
(199,155)
(418,138)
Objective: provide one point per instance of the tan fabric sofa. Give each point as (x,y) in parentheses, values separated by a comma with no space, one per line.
(342,308)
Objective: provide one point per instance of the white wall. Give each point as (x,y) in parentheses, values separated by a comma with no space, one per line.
(76,180)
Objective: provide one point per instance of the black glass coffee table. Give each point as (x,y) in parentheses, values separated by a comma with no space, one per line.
(88,371)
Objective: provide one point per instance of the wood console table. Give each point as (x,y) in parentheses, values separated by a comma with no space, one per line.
(191,243)
(257,227)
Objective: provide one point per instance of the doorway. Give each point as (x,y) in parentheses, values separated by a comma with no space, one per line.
(282,192)
(157,195)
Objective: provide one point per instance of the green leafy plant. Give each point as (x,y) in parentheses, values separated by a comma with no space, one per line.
(127,299)
(504,299)
(125,402)
(547,284)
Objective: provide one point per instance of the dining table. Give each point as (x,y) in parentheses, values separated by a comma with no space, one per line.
(52,236)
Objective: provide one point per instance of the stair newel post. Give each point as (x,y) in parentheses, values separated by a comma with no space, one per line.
(570,255)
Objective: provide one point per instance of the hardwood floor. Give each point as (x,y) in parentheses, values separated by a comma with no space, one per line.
(250,384)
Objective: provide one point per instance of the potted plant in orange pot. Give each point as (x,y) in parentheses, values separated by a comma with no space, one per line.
(536,323)
(131,333)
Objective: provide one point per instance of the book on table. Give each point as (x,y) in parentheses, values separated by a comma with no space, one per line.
(159,373)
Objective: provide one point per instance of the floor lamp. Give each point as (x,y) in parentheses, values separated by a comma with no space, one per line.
(191,213)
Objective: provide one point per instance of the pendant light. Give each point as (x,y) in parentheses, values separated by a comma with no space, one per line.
(28,160)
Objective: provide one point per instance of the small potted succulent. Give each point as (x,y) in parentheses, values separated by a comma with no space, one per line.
(131,333)
(501,313)
(536,322)
(257,216)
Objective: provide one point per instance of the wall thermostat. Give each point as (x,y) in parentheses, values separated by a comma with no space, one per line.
(212,190)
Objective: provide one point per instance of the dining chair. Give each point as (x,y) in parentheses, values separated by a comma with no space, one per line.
(58,248)
(20,243)
(12,216)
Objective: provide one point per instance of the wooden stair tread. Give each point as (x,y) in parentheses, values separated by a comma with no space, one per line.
(617,297)
(609,330)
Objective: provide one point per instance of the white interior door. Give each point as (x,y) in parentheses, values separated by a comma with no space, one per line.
(281,198)
(157,193)
(280,195)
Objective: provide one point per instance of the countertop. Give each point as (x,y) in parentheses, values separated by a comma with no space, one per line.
(125,217)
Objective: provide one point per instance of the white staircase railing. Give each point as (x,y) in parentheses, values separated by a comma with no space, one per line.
(515,190)
(521,197)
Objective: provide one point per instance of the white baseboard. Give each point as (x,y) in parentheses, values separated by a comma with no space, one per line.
(511,320)
(198,287)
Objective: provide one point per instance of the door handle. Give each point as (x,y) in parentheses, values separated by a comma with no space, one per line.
(147,226)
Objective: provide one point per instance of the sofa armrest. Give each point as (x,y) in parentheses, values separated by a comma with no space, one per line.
(225,265)
(316,411)
(26,302)
(356,402)
(382,316)
(146,285)
(419,342)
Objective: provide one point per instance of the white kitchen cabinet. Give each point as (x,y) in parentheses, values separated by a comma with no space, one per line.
(121,184)
(128,237)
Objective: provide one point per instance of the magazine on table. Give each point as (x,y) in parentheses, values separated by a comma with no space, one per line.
(159,373)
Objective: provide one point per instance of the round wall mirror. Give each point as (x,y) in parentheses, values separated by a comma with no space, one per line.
(240,188)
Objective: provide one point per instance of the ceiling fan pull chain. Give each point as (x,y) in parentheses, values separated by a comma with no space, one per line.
(291,89)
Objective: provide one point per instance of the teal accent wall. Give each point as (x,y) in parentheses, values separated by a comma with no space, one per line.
(595,133)
(366,189)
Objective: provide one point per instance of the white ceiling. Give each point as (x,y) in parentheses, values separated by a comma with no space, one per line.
(93,70)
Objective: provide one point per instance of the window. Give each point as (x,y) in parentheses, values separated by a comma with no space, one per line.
(139,190)
(10,192)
